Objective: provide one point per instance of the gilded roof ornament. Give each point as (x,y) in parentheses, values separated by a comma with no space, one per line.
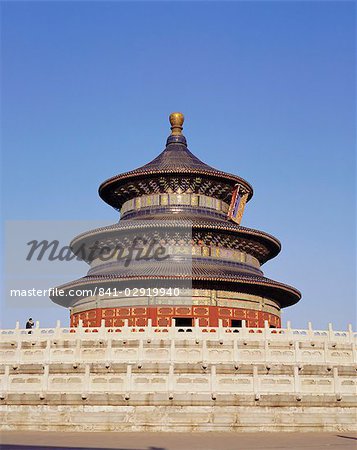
(176,120)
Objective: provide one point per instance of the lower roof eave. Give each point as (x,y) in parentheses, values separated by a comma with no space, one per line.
(284,295)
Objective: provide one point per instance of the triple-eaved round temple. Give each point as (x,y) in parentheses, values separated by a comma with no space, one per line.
(178,250)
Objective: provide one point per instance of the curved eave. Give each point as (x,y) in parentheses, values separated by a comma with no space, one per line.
(283,294)
(106,188)
(272,243)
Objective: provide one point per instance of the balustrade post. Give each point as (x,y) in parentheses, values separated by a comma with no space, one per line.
(350,333)
(235,351)
(331,334)
(297,388)
(256,386)
(326,354)
(336,382)
(266,351)
(140,352)
(204,351)
(77,351)
(48,352)
(36,331)
(310,330)
(125,330)
(213,380)
(103,330)
(80,328)
(45,375)
(128,382)
(86,381)
(18,352)
(352,342)
(108,351)
(172,350)
(196,329)
(6,379)
(266,329)
(170,381)
(149,331)
(172,328)
(57,333)
(297,351)
(18,330)
(244,330)
(220,329)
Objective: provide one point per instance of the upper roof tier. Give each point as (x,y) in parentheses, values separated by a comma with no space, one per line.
(177,161)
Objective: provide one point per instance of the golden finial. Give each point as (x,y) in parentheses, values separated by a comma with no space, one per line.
(176,121)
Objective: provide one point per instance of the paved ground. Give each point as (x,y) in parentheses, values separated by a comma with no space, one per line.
(33,440)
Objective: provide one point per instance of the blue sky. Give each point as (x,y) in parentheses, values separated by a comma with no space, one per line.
(268,91)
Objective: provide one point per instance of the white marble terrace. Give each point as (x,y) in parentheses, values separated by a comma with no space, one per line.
(174,360)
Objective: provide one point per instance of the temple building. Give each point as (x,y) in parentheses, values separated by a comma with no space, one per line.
(177,252)
(173,328)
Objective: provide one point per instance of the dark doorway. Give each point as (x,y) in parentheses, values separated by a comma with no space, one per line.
(183,321)
(236,323)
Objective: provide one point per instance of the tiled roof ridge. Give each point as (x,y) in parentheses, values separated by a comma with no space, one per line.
(243,279)
(176,158)
(195,223)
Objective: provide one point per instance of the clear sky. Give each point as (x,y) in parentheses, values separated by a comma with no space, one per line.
(268,91)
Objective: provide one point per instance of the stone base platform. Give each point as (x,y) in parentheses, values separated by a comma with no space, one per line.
(173,379)
(176,418)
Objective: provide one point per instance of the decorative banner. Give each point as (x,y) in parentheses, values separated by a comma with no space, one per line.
(236,208)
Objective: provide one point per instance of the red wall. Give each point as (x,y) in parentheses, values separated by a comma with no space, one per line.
(162,315)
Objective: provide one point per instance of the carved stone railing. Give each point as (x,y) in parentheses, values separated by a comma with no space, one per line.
(177,361)
(205,333)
